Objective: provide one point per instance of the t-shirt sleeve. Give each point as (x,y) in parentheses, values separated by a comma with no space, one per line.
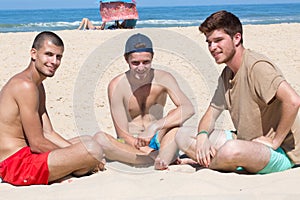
(218,100)
(266,80)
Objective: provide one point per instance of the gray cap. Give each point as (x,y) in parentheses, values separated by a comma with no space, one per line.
(138,43)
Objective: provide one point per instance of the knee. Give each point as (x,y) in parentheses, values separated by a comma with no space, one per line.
(103,139)
(100,137)
(182,140)
(93,148)
(230,151)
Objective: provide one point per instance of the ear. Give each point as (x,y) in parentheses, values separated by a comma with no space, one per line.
(33,52)
(237,38)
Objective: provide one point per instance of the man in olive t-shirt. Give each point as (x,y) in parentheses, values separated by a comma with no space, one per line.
(262,106)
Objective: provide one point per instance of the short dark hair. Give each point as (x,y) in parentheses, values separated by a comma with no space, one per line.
(222,20)
(47,35)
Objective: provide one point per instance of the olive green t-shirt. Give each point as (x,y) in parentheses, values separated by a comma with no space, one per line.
(250,97)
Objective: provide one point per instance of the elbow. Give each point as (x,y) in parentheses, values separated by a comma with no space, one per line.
(36,146)
(295,102)
(35,149)
(190,111)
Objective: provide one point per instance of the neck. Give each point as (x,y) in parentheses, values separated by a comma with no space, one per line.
(33,74)
(235,63)
(136,83)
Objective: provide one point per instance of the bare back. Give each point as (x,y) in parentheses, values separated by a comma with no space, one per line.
(11,129)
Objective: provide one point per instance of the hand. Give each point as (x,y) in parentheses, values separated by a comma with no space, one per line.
(264,140)
(204,150)
(141,142)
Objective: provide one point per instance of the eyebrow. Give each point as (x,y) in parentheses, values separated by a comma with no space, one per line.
(217,38)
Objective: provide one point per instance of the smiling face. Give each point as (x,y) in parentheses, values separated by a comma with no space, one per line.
(140,64)
(221,46)
(47,58)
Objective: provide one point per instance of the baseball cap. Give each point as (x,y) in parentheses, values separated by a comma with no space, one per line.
(138,43)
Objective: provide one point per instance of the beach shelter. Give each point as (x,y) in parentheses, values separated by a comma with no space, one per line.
(112,10)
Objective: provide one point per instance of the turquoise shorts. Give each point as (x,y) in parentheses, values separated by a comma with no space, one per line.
(154,143)
(279,161)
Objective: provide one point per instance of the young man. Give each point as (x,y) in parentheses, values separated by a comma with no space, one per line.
(31,152)
(262,105)
(137,100)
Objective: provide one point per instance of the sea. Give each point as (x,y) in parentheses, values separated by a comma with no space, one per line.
(150,17)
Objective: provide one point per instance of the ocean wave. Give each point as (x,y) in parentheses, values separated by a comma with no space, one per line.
(168,22)
(66,19)
(149,23)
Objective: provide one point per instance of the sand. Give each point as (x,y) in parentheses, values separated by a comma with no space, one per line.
(77,104)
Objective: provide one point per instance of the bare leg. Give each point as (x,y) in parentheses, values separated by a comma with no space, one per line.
(252,156)
(89,25)
(168,151)
(83,24)
(115,150)
(231,154)
(103,25)
(78,158)
(186,140)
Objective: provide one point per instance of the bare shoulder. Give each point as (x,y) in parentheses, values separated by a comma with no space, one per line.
(160,72)
(24,83)
(162,76)
(119,83)
(120,79)
(18,86)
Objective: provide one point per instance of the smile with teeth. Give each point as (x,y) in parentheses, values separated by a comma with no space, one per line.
(216,54)
(52,68)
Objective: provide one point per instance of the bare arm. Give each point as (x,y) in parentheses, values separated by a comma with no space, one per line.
(290,106)
(118,111)
(48,130)
(28,100)
(184,108)
(204,148)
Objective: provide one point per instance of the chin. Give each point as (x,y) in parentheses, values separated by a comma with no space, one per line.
(140,77)
(220,61)
(50,75)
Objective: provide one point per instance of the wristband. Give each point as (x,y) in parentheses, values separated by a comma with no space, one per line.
(202,132)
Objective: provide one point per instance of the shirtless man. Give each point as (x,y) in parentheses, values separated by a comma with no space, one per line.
(137,99)
(31,152)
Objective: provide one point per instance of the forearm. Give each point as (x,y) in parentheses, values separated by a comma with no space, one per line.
(42,145)
(206,125)
(57,139)
(289,113)
(174,118)
(207,122)
(129,139)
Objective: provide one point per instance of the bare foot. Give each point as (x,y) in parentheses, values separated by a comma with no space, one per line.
(160,164)
(184,161)
(100,167)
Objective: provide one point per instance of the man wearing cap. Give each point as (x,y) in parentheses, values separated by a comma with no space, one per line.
(137,100)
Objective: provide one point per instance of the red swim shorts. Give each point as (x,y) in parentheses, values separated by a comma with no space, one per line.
(25,168)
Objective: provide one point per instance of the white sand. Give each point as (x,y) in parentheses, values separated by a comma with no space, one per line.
(77,104)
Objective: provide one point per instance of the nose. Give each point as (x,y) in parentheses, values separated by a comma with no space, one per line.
(141,66)
(54,60)
(212,46)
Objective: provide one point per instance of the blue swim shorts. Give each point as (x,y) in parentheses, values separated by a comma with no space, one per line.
(279,161)
(154,142)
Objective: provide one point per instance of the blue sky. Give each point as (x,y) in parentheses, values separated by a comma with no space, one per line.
(44,4)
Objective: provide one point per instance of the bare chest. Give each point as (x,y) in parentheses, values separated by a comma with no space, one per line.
(148,99)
